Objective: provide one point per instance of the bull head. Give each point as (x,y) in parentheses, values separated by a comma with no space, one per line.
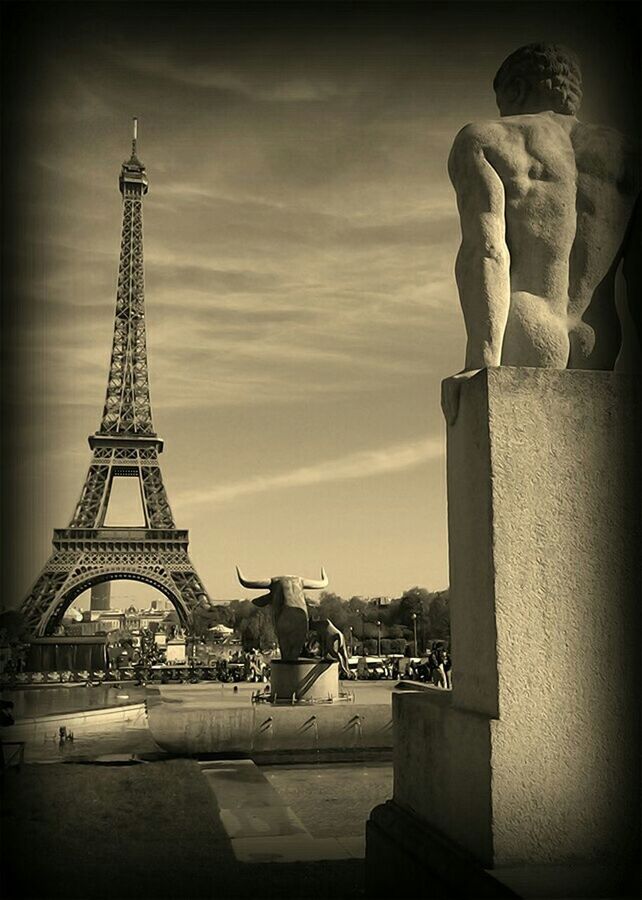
(289,609)
(309,584)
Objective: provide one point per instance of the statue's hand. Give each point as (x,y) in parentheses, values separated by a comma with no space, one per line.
(450,392)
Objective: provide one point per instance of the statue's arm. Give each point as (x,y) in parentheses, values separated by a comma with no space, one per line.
(483,262)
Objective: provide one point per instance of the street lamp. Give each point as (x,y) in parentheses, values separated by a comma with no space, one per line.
(379,638)
(351,642)
(414,625)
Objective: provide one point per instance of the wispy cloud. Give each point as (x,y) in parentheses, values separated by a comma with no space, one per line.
(364,464)
(257,84)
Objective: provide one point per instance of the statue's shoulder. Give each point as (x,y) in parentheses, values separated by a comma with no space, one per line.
(478,134)
(472,142)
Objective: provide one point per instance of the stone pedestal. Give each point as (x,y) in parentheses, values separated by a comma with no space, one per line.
(528,773)
(175,650)
(304,679)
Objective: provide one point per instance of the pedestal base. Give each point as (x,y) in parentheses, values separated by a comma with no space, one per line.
(531,765)
(304,679)
(406,857)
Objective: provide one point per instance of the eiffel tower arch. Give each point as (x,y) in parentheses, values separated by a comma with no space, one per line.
(89,552)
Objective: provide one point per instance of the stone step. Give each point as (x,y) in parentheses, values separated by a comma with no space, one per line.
(260,825)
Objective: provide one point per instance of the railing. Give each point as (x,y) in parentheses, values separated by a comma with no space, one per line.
(65,536)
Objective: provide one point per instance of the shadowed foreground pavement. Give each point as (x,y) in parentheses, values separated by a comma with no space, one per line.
(142,831)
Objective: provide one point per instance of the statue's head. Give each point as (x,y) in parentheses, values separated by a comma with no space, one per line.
(539,77)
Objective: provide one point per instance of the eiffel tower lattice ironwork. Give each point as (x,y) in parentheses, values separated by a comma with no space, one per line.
(89,552)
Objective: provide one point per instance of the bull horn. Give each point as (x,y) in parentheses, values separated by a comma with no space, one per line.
(310,585)
(252,584)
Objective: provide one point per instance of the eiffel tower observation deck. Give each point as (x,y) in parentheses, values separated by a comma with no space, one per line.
(88,552)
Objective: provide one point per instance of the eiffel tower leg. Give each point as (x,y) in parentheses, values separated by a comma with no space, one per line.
(193,594)
(157,509)
(92,506)
(46,598)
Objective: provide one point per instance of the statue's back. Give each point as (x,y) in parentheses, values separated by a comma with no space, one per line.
(570,192)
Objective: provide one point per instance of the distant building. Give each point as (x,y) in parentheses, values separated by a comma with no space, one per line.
(110,621)
(161,604)
(152,618)
(381,601)
(106,621)
(100,596)
(92,623)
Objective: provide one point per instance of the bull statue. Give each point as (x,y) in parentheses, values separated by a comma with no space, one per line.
(289,609)
(332,644)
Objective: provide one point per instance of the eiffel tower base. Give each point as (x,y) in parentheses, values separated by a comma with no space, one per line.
(82,558)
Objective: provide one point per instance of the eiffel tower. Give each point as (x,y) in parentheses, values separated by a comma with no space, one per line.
(88,552)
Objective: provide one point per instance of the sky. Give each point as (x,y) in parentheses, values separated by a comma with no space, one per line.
(300,233)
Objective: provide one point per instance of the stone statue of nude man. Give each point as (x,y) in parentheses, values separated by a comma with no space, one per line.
(549,208)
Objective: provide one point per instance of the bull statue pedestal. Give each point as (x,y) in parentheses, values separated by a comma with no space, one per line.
(304,679)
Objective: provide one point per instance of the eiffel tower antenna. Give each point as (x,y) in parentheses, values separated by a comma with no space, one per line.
(125,445)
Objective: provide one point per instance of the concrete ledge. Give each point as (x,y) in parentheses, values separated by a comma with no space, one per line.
(35,729)
(265,729)
(409,685)
(443,768)
(404,857)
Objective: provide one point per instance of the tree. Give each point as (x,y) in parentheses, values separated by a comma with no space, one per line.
(257,631)
(267,635)
(13,627)
(216,615)
(415,600)
(333,607)
(150,653)
(370,630)
(239,610)
(399,631)
(357,605)
(249,631)
(372,612)
(390,613)
(438,618)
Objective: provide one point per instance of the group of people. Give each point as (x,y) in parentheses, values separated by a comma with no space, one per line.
(243,666)
(434,668)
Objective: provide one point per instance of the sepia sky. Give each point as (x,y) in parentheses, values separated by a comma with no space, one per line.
(300,234)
